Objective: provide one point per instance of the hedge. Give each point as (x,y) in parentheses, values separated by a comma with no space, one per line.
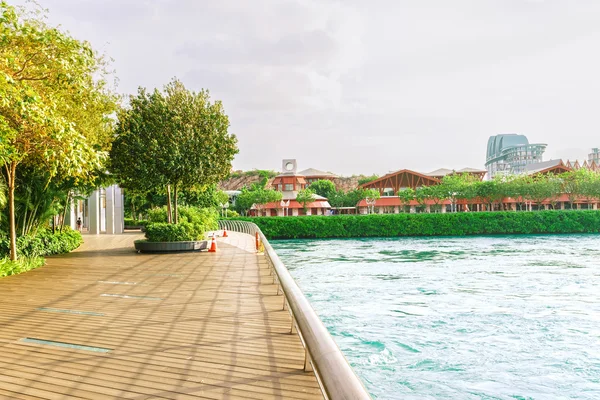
(44,243)
(23,264)
(131,222)
(193,223)
(446,224)
(163,232)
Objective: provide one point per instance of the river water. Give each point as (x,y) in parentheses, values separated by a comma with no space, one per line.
(460,318)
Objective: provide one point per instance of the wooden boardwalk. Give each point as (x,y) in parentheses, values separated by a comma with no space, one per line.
(140,326)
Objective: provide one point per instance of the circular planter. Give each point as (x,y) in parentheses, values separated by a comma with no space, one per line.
(131,227)
(143,246)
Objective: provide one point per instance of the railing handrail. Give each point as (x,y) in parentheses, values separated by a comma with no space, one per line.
(335,375)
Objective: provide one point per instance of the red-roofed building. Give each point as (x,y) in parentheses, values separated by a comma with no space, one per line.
(289,182)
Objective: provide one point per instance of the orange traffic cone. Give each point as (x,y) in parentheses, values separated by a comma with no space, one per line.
(225,232)
(213,246)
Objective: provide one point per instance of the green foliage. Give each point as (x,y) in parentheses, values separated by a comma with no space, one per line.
(352,197)
(257,196)
(231,213)
(447,224)
(134,222)
(175,138)
(255,172)
(8,267)
(221,197)
(305,196)
(367,179)
(55,107)
(323,187)
(194,223)
(163,232)
(44,243)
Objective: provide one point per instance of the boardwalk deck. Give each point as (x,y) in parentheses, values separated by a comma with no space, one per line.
(169,326)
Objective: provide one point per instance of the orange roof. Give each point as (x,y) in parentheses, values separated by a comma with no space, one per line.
(402,171)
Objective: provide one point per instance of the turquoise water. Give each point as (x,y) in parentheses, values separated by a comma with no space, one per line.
(460,318)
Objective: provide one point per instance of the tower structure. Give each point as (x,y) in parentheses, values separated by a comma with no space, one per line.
(511,153)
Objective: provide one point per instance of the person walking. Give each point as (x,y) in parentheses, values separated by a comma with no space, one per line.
(79,224)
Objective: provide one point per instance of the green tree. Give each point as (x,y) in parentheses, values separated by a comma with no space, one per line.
(591,186)
(574,183)
(323,187)
(542,188)
(257,197)
(422,194)
(437,195)
(406,195)
(304,197)
(177,138)
(367,179)
(54,103)
(458,187)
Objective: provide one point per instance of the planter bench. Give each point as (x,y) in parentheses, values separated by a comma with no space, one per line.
(143,246)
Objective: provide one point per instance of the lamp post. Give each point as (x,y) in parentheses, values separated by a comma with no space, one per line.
(370,205)
(224,206)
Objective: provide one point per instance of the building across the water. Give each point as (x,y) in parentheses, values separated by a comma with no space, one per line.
(390,184)
(511,153)
(289,182)
(312,175)
(390,203)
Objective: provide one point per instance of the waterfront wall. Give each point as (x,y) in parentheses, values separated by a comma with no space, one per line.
(449,224)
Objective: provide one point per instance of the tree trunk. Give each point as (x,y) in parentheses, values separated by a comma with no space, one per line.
(64,216)
(11,172)
(175,213)
(169,220)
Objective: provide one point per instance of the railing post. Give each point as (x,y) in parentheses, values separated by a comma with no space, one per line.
(307,361)
(293,328)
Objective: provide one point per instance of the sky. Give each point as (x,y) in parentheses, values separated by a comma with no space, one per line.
(362,87)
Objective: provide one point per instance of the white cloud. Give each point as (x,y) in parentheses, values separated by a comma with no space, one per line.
(426,81)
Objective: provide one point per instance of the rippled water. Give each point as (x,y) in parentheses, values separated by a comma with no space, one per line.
(460,318)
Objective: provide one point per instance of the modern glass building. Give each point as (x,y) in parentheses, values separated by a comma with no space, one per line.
(594,156)
(511,153)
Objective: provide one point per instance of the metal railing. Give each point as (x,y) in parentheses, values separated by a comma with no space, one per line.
(335,376)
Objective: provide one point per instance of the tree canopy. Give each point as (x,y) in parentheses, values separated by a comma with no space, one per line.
(55,104)
(175,138)
(323,187)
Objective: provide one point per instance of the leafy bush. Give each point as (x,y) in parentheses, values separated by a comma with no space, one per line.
(132,222)
(231,214)
(367,179)
(193,223)
(157,214)
(163,232)
(447,224)
(44,243)
(8,267)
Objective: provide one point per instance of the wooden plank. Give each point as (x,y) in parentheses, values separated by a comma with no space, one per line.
(217,331)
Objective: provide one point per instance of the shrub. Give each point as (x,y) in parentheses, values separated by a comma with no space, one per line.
(163,232)
(44,243)
(231,214)
(132,222)
(157,214)
(8,267)
(447,224)
(194,222)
